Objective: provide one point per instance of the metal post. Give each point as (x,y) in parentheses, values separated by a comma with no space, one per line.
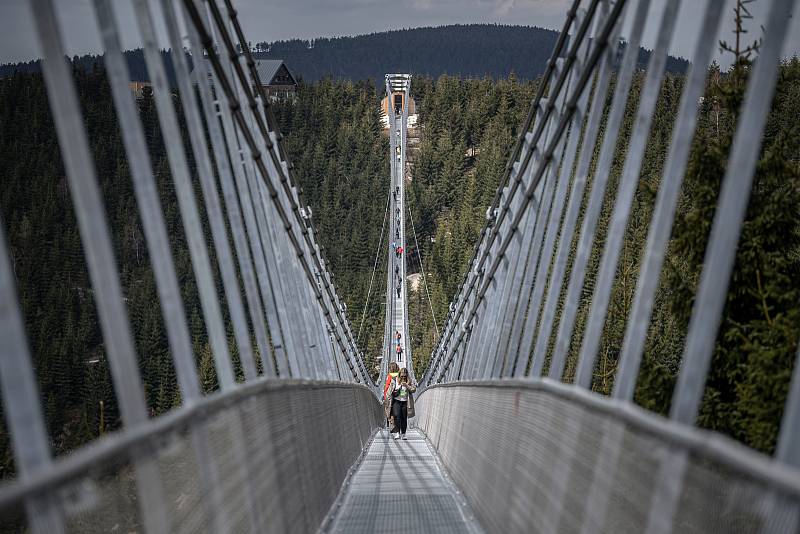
(21,406)
(211,199)
(230,198)
(543,334)
(158,245)
(664,211)
(728,218)
(93,227)
(536,273)
(624,198)
(597,193)
(206,286)
(718,263)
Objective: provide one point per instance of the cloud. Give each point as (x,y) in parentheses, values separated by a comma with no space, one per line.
(503,7)
(421,5)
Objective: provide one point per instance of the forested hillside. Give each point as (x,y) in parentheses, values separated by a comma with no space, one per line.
(469,129)
(52,281)
(340,156)
(134,59)
(758,338)
(341,162)
(471,50)
(465,50)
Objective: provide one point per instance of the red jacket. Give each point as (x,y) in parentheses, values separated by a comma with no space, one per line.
(389,379)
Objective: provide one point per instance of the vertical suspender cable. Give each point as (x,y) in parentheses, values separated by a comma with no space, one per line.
(422,270)
(374,268)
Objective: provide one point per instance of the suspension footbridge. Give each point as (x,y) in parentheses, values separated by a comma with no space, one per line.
(397,348)
(297,442)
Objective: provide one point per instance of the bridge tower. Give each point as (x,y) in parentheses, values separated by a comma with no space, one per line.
(398,88)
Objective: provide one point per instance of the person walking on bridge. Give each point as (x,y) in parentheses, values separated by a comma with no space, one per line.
(402,403)
(394,371)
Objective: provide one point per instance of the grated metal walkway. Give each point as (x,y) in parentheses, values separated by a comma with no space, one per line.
(400,487)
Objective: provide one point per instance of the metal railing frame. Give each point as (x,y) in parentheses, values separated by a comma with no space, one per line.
(287,301)
(561,130)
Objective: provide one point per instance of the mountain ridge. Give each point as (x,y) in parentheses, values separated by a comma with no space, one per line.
(462,50)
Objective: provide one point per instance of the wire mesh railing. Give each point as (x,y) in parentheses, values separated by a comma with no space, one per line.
(258,458)
(279,304)
(536,300)
(541,456)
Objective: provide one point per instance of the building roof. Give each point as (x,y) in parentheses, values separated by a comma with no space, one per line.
(268,69)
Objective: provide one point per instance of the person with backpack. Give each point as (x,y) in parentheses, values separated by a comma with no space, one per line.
(394,371)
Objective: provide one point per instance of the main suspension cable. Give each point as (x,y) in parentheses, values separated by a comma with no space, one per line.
(424,278)
(374,267)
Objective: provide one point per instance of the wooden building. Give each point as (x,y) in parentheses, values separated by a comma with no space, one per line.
(276,79)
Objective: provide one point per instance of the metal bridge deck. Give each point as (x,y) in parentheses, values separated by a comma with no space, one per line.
(400,487)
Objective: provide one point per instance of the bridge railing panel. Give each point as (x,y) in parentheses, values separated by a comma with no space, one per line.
(527,456)
(536,300)
(248,237)
(268,457)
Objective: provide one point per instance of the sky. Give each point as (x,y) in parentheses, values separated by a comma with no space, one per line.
(271,20)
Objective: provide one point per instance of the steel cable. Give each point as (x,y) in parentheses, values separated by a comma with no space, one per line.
(374,268)
(422,269)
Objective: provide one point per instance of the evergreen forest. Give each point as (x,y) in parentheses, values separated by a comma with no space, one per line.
(334,138)
(339,155)
(464,50)
(469,127)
